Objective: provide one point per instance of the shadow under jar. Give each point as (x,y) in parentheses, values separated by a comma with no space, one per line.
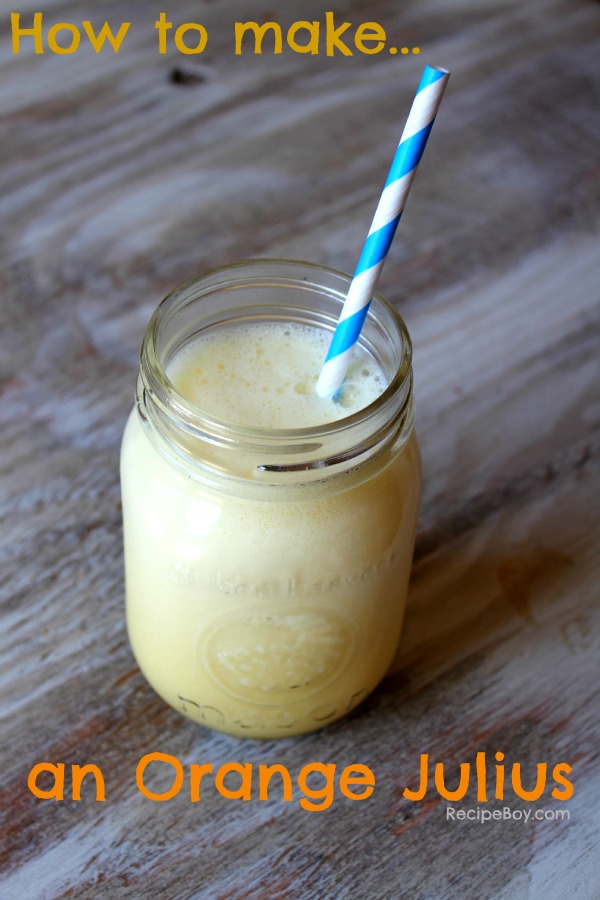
(267,569)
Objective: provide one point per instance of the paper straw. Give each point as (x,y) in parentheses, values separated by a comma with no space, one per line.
(381,234)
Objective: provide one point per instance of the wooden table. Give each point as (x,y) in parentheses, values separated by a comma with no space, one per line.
(125,174)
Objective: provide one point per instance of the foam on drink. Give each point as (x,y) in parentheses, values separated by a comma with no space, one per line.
(263,375)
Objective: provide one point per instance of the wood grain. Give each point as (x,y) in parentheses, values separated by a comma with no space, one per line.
(121,176)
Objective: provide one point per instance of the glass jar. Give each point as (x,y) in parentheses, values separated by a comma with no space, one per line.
(267,571)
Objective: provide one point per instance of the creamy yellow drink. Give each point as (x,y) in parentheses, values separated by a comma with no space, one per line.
(266,600)
(263,375)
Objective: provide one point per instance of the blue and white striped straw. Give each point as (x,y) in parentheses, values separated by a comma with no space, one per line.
(381,234)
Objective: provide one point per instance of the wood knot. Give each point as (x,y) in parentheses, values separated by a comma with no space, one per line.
(188,74)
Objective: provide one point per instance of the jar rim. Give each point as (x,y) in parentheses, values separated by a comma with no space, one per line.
(166,395)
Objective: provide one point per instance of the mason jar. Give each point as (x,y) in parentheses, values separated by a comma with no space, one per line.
(267,570)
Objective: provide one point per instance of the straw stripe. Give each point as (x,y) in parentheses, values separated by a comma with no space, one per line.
(386,209)
(422,115)
(377,245)
(350,329)
(409,154)
(383,228)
